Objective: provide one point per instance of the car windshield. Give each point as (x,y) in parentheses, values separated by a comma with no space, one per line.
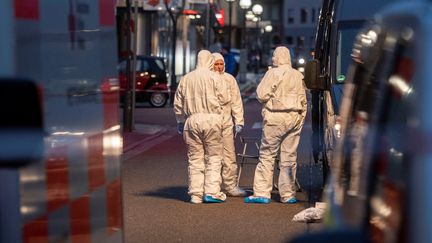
(122,66)
(160,64)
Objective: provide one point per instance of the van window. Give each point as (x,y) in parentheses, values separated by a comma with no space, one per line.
(347,33)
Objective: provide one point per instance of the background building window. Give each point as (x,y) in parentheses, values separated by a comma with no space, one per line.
(303,16)
(290,16)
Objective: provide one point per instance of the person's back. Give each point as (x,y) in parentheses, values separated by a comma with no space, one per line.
(283,96)
(198,108)
(284,83)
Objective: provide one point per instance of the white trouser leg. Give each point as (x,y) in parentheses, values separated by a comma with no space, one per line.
(196,162)
(288,160)
(263,180)
(203,137)
(229,164)
(213,152)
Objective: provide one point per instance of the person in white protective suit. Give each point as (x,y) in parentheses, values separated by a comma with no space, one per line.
(198,109)
(283,95)
(232,110)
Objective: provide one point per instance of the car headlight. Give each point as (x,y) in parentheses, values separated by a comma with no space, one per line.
(301,61)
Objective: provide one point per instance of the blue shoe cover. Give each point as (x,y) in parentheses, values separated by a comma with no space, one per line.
(253,199)
(291,200)
(210,199)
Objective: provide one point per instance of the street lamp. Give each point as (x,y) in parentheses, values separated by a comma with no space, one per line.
(245,4)
(268,28)
(257,9)
(229,22)
(249,15)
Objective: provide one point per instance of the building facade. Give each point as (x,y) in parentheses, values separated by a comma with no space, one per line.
(300,19)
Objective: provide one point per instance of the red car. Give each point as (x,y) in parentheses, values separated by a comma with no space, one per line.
(151,80)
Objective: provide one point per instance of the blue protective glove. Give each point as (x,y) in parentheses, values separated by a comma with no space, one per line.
(180,128)
(238,128)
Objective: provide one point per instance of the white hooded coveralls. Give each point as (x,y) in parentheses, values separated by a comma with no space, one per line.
(282,93)
(198,103)
(231,111)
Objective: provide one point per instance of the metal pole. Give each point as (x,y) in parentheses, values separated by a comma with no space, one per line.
(243,39)
(173,54)
(208,24)
(243,51)
(229,24)
(185,41)
(134,63)
(257,55)
(127,111)
(173,50)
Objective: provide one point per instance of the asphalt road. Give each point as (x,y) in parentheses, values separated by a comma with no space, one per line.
(155,200)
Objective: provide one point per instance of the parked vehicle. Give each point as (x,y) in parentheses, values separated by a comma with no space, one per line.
(379,189)
(339,23)
(151,80)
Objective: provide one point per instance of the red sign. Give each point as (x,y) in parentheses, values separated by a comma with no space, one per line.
(153,3)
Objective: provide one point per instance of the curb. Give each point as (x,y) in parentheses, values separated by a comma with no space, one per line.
(146,139)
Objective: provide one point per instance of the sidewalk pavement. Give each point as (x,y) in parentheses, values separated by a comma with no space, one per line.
(139,133)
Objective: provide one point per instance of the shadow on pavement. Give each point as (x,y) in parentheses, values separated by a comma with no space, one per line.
(178,193)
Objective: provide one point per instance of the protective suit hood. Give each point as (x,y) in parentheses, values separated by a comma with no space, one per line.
(205,60)
(281,56)
(218,56)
